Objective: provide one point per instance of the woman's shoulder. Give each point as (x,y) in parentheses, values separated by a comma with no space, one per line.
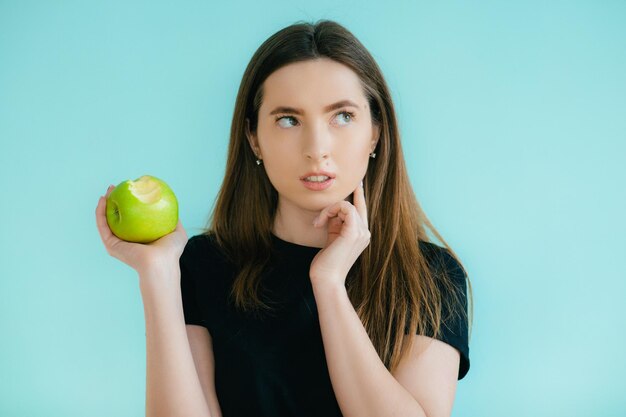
(454,314)
(440,258)
(198,242)
(201,248)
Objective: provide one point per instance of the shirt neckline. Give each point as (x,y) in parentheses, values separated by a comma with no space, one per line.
(293,246)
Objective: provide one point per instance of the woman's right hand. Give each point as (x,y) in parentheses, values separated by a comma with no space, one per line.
(143,257)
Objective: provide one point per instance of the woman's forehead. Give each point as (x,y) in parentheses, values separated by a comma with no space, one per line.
(312,85)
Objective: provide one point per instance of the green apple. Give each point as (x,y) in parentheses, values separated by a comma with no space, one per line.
(142,210)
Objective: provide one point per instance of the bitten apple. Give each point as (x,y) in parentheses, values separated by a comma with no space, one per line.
(143,210)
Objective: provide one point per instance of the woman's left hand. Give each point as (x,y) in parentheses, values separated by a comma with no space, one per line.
(348,236)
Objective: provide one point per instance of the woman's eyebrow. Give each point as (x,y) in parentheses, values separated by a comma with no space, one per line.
(327,109)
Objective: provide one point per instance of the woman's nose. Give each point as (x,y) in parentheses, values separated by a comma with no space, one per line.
(317,143)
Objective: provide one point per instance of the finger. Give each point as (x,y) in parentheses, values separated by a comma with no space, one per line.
(359,203)
(340,209)
(109,190)
(108,238)
(101,222)
(348,214)
(114,246)
(320,220)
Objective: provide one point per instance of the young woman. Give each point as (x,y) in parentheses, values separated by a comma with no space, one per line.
(315,290)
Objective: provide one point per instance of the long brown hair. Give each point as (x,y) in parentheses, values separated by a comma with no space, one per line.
(391,285)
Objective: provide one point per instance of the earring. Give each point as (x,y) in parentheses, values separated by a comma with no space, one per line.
(373,155)
(258,161)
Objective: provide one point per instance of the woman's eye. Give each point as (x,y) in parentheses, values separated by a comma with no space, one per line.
(279,119)
(346,115)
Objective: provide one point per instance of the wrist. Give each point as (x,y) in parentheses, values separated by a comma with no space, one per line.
(160,275)
(321,287)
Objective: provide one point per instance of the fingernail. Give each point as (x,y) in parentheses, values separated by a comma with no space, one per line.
(315,221)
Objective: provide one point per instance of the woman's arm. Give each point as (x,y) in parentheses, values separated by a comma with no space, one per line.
(172,384)
(201,344)
(361,382)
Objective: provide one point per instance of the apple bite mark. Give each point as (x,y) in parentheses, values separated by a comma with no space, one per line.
(146,190)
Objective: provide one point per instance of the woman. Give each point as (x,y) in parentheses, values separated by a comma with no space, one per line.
(315,256)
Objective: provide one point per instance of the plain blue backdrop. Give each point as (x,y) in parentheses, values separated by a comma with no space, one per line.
(513,123)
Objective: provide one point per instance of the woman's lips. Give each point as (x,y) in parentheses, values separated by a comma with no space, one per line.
(318,186)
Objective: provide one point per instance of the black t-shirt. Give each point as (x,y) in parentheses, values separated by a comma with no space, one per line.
(275,365)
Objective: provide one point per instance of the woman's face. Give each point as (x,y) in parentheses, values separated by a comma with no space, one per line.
(300,130)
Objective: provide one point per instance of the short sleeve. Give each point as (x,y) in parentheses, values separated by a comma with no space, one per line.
(454,326)
(188,283)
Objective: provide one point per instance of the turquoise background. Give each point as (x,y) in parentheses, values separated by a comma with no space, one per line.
(513,121)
